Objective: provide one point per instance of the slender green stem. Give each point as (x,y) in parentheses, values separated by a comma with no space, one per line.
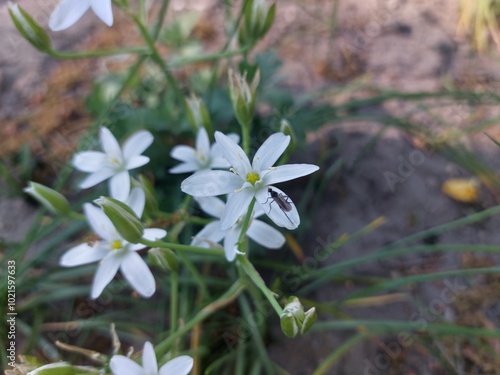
(256,337)
(174,302)
(155,55)
(161,19)
(257,279)
(195,275)
(245,134)
(76,216)
(244,227)
(92,54)
(181,247)
(228,297)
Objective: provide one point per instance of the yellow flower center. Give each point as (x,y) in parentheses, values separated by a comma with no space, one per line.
(253,177)
(116,244)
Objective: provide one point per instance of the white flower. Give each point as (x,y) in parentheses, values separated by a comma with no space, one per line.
(70,11)
(203,157)
(212,233)
(114,162)
(121,365)
(251,180)
(113,252)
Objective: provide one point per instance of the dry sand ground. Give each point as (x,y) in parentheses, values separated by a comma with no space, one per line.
(403,45)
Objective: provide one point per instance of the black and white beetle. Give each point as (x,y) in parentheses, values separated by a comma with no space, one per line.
(281,200)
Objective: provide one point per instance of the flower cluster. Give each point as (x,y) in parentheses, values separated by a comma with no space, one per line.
(243,183)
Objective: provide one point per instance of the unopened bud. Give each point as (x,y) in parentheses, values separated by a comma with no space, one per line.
(123,218)
(197,113)
(51,199)
(258,20)
(294,321)
(29,28)
(243,96)
(164,259)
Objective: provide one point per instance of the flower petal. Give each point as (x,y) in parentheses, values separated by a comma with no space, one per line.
(288,172)
(136,162)
(219,162)
(67,13)
(265,235)
(210,235)
(109,143)
(211,205)
(136,201)
(185,167)
(96,177)
(236,206)
(137,143)
(153,234)
(202,142)
(270,151)
(234,154)
(211,183)
(119,186)
(230,240)
(183,153)
(121,365)
(287,219)
(100,223)
(178,366)
(89,161)
(105,272)
(83,254)
(103,10)
(137,273)
(149,359)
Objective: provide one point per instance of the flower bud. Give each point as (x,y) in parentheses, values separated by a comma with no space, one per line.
(123,218)
(258,20)
(29,28)
(243,96)
(197,113)
(51,199)
(294,321)
(164,259)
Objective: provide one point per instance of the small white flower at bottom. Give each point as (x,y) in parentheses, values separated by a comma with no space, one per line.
(113,252)
(121,365)
(260,232)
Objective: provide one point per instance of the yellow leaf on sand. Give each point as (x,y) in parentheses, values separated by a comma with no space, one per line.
(464,190)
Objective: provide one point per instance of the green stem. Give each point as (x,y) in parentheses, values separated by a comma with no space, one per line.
(228,297)
(244,227)
(181,247)
(91,54)
(174,302)
(245,134)
(257,279)
(155,55)
(161,19)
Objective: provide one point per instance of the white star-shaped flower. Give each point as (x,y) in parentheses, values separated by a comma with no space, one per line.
(212,233)
(113,252)
(68,12)
(121,365)
(114,162)
(247,181)
(202,157)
